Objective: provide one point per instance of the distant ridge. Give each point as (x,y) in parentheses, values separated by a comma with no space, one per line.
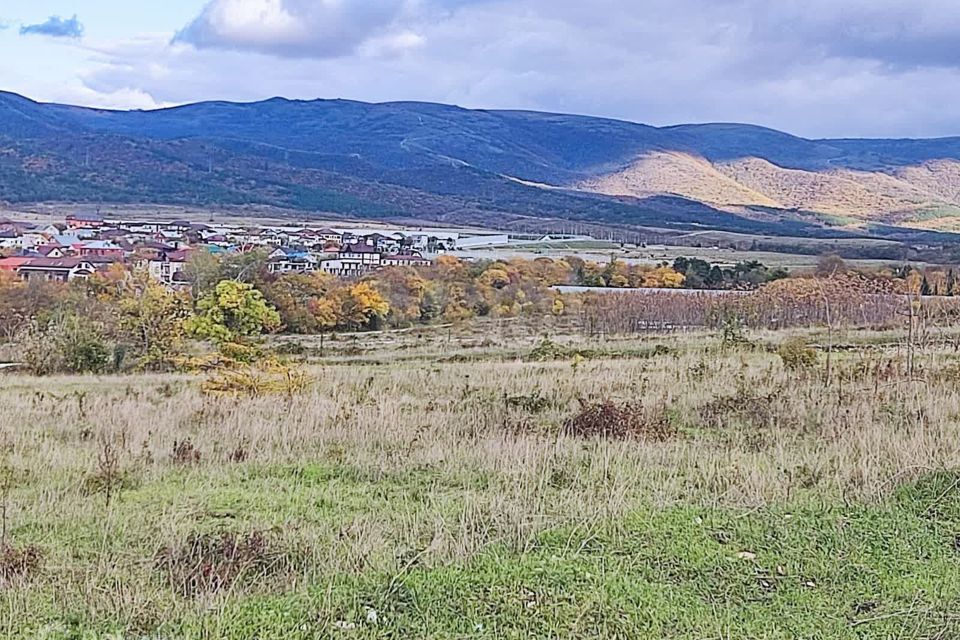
(426,161)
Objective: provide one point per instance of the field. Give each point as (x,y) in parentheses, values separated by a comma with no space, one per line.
(656,254)
(484,482)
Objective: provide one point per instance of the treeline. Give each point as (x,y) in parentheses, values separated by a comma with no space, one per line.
(700,274)
(121,319)
(687,273)
(875,300)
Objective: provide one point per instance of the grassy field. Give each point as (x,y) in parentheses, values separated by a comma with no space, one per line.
(450,484)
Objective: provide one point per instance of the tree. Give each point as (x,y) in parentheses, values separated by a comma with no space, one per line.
(22,302)
(364,305)
(233,312)
(152,321)
(202,270)
(307,303)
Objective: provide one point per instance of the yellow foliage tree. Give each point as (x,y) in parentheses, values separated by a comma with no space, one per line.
(364,305)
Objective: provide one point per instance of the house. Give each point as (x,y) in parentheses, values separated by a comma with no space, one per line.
(405,260)
(168,266)
(99,249)
(329,235)
(367,256)
(70,243)
(380,241)
(291,260)
(50,251)
(85,221)
(179,226)
(297,264)
(55,269)
(14,263)
(342,268)
(10,239)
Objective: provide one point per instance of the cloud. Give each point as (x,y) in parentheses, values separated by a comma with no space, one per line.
(816,68)
(291,28)
(894,33)
(55,27)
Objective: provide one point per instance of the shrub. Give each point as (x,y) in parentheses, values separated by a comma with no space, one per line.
(64,344)
(184,452)
(270,377)
(37,351)
(608,419)
(82,347)
(797,355)
(109,478)
(208,563)
(18,563)
(532,403)
(547,349)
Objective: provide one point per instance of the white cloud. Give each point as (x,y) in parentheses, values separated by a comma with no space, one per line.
(293,28)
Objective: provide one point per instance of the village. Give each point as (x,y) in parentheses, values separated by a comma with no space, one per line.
(86,243)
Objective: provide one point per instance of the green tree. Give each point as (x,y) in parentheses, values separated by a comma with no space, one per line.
(233,312)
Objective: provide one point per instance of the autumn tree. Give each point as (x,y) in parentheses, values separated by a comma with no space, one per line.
(153,319)
(364,306)
(307,302)
(406,291)
(22,302)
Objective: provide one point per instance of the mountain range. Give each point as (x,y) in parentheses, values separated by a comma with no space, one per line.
(519,169)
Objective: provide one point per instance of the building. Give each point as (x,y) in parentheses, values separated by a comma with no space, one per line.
(55,269)
(329,235)
(297,263)
(85,221)
(342,268)
(13,264)
(366,255)
(99,249)
(168,266)
(405,260)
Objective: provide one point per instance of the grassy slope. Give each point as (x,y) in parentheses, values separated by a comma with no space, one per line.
(411,489)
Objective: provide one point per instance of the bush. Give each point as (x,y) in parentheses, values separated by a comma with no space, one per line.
(65,344)
(82,347)
(18,563)
(208,563)
(608,419)
(797,355)
(185,452)
(266,378)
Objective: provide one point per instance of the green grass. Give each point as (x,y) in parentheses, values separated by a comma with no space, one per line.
(443,499)
(817,570)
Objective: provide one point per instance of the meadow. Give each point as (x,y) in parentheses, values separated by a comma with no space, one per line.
(488,482)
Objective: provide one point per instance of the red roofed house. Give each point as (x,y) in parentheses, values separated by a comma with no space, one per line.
(85,221)
(12,264)
(99,249)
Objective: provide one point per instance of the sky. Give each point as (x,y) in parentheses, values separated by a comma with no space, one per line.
(817,68)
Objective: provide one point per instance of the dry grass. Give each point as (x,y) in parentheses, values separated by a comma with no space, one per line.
(845,193)
(421,460)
